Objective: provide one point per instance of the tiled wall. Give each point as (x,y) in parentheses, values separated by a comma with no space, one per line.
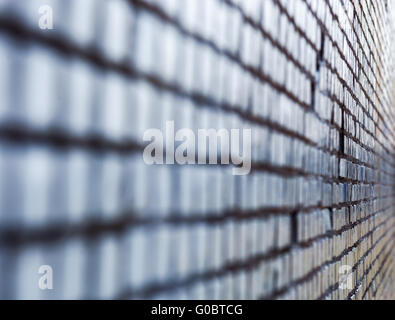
(313,79)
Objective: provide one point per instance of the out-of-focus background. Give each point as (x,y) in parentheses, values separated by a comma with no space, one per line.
(312,79)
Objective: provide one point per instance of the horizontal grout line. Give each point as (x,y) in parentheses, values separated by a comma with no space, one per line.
(20,236)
